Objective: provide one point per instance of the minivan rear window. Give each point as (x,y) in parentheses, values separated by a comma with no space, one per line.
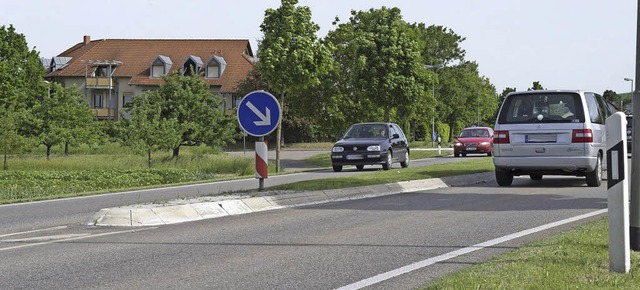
(541,108)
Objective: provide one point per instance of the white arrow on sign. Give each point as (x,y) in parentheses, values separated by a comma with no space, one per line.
(265,120)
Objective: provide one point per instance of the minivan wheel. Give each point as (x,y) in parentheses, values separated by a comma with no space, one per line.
(359,167)
(405,163)
(337,168)
(594,178)
(387,164)
(535,176)
(503,177)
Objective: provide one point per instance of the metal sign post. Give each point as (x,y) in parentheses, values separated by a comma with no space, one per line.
(618,194)
(259,113)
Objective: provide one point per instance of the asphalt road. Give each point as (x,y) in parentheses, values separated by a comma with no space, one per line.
(313,247)
(78,211)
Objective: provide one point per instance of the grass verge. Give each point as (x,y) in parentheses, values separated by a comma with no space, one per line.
(394,175)
(324,160)
(32,178)
(577,259)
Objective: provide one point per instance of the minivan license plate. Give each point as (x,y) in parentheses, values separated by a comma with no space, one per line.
(540,138)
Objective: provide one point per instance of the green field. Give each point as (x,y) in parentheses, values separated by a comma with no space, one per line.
(32,177)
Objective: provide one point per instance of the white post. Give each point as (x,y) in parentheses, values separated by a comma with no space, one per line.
(618,194)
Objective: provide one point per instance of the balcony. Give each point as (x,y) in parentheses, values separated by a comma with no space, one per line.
(99,83)
(106,113)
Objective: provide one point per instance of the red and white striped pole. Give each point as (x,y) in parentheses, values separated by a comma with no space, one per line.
(262,158)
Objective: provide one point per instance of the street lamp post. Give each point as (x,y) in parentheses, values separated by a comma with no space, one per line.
(630,80)
(481,83)
(433,93)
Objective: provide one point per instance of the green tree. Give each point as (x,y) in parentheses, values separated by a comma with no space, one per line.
(21,72)
(63,116)
(291,56)
(441,45)
(189,101)
(463,94)
(610,95)
(11,141)
(147,131)
(381,59)
(536,87)
(504,93)
(21,86)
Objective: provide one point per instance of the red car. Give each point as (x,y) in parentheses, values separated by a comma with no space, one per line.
(474,140)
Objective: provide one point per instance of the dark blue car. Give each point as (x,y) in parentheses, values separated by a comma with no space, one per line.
(377,143)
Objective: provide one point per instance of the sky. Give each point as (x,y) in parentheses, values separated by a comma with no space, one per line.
(563,44)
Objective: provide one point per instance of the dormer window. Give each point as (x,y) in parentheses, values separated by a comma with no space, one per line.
(215,67)
(160,66)
(192,65)
(58,63)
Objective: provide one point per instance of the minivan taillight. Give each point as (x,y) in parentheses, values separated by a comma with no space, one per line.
(582,136)
(501,137)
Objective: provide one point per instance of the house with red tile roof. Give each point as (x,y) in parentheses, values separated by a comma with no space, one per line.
(111,71)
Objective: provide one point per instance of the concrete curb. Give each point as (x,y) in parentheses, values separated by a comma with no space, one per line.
(179,211)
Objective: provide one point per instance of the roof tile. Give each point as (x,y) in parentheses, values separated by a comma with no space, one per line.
(136,56)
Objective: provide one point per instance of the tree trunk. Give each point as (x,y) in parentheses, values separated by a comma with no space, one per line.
(48,151)
(451,132)
(149,157)
(412,129)
(66,148)
(4,167)
(176,151)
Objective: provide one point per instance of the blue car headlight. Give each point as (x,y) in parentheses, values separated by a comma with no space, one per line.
(373,148)
(337,149)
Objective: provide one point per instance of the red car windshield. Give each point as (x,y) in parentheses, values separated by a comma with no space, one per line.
(474,133)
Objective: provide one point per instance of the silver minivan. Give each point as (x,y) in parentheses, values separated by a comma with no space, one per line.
(551,132)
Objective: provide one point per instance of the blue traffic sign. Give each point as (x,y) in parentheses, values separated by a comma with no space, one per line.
(259,113)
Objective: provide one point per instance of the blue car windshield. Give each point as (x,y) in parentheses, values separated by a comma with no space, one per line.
(367,131)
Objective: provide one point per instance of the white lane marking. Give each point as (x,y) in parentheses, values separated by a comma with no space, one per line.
(73,239)
(428,262)
(143,190)
(45,238)
(34,231)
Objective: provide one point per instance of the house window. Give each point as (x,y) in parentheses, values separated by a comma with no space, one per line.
(192,65)
(236,101)
(157,70)
(189,69)
(161,65)
(213,70)
(215,67)
(127,100)
(98,101)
